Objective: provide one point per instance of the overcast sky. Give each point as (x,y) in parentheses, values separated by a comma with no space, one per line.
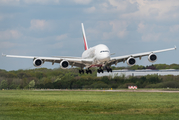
(53,28)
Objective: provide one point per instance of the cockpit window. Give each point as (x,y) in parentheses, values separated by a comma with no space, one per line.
(104,51)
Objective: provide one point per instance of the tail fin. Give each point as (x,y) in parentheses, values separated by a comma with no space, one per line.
(84,37)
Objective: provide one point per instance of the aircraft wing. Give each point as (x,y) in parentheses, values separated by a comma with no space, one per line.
(115,60)
(73,61)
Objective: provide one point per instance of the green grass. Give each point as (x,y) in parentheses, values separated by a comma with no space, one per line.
(75,105)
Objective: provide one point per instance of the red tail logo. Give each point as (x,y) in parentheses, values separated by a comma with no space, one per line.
(85,43)
(84,37)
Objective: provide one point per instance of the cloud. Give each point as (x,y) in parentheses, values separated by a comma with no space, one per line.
(119,29)
(56,45)
(107,30)
(61,37)
(158,10)
(99,30)
(9,2)
(151,37)
(7,45)
(90,10)
(141,27)
(43,2)
(152,32)
(118,5)
(82,1)
(140,9)
(9,34)
(174,28)
(39,24)
(21,2)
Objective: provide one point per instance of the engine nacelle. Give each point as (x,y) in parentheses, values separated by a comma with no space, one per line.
(152,57)
(64,64)
(37,62)
(131,61)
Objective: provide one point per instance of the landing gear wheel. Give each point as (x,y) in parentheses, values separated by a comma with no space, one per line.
(88,71)
(108,69)
(100,70)
(81,71)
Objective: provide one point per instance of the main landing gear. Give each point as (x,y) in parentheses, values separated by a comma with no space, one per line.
(81,71)
(109,70)
(87,71)
(101,70)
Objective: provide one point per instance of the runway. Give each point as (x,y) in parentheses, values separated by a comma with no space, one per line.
(143,90)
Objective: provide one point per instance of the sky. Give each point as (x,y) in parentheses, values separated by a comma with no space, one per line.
(53,28)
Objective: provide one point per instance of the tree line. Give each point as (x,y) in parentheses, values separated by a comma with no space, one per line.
(153,67)
(43,78)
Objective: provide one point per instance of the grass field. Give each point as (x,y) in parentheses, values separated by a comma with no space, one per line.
(75,105)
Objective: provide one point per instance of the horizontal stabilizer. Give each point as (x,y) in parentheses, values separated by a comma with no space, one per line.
(4,55)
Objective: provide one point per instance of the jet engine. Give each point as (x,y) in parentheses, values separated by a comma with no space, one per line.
(64,64)
(131,61)
(152,57)
(37,62)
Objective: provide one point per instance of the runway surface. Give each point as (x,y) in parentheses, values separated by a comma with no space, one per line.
(153,90)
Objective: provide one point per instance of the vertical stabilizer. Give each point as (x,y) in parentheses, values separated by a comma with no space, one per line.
(84,37)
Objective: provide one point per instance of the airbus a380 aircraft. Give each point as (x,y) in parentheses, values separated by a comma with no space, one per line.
(97,56)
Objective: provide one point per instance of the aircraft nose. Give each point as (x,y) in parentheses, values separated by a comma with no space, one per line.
(104,57)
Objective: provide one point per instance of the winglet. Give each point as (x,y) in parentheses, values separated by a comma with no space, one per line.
(84,37)
(3,55)
(175,47)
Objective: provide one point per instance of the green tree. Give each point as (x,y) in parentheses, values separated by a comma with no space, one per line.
(58,79)
(99,84)
(4,84)
(31,84)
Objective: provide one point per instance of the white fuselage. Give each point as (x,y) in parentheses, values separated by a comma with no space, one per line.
(100,54)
